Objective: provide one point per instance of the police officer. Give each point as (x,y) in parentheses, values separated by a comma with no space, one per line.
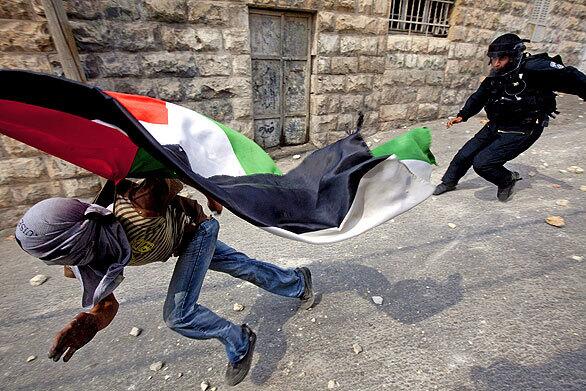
(518,97)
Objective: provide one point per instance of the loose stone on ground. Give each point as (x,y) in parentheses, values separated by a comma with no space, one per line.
(39,279)
(575,169)
(156,366)
(556,221)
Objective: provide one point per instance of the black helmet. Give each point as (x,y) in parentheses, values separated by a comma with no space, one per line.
(508,45)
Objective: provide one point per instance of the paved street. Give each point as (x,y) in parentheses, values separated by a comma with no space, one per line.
(495,303)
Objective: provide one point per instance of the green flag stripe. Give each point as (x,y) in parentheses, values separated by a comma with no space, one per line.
(252,157)
(413,145)
(145,164)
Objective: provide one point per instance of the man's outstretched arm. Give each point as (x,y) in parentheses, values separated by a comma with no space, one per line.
(568,80)
(83,329)
(475,102)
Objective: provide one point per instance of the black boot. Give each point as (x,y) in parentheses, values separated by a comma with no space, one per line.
(235,373)
(308,296)
(505,192)
(443,188)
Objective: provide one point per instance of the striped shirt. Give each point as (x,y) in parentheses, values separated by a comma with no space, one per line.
(152,239)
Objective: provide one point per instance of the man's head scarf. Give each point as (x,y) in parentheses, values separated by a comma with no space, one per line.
(66,231)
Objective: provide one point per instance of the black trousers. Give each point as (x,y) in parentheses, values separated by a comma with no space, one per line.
(488,151)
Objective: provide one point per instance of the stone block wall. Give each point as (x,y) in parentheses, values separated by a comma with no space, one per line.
(197,53)
(27,175)
(349,58)
(427,77)
(25,41)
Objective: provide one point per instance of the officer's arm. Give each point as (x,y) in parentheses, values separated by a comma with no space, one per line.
(558,78)
(475,102)
(570,81)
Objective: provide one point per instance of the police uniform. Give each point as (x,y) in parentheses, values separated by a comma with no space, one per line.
(518,105)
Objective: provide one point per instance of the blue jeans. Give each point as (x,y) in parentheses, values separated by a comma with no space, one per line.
(182,313)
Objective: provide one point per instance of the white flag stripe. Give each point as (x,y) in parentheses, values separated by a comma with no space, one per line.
(386,191)
(205,143)
(419,167)
(110,126)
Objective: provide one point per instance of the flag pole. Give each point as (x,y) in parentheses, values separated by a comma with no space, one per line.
(63,38)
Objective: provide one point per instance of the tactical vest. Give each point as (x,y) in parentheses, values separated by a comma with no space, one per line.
(515,101)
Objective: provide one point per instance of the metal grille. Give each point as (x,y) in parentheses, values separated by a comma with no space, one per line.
(539,17)
(540,12)
(422,17)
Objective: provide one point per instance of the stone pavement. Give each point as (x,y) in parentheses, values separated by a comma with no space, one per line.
(494,303)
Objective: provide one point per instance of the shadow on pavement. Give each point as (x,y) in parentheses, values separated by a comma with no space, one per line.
(407,301)
(564,372)
(487,191)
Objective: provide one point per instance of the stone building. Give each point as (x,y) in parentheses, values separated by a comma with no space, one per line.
(284,72)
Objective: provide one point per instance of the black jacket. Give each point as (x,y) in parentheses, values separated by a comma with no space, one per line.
(527,94)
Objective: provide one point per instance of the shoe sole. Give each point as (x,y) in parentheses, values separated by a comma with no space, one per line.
(307,304)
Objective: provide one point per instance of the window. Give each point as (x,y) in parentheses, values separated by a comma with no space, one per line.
(424,17)
(539,19)
(540,12)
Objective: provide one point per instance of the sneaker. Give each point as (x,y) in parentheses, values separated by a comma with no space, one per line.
(443,188)
(308,296)
(504,193)
(235,373)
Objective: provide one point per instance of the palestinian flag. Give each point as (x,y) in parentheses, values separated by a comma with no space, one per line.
(336,193)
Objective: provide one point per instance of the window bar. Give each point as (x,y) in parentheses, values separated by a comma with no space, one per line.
(392,15)
(437,18)
(426,15)
(410,16)
(403,7)
(417,15)
(411,5)
(443,18)
(407,17)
